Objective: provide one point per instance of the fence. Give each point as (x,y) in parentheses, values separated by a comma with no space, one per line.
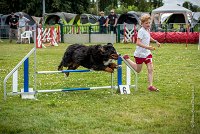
(4,31)
(87,29)
(96,29)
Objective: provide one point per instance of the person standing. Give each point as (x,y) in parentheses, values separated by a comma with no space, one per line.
(22,26)
(13,22)
(112,20)
(143,50)
(102,23)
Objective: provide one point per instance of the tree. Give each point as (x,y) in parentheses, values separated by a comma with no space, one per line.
(189,5)
(107,5)
(142,5)
(34,7)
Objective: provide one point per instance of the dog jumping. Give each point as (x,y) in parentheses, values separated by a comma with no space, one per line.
(95,57)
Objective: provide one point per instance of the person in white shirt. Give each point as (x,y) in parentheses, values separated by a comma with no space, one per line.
(143,50)
(22,26)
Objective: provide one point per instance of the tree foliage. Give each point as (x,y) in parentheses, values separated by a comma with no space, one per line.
(190,6)
(141,5)
(34,7)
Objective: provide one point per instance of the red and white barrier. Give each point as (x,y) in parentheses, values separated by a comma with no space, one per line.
(129,34)
(48,35)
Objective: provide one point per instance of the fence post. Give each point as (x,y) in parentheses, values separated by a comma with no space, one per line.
(165,32)
(118,33)
(90,28)
(61,33)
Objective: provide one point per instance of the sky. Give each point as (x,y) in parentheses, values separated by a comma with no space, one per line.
(172,2)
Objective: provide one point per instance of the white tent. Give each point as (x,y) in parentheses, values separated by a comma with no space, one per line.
(174,9)
(196,18)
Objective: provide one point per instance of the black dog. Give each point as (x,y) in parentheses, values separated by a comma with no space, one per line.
(94,57)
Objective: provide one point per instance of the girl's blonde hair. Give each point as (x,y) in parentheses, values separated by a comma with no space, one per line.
(144,18)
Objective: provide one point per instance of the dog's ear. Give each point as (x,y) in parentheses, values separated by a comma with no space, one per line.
(109,44)
(101,49)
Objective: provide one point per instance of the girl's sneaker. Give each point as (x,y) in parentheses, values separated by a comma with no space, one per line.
(126,57)
(152,88)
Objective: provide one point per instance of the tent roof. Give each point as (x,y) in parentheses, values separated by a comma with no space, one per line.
(88,18)
(130,18)
(196,16)
(176,18)
(171,9)
(6,18)
(64,15)
(139,14)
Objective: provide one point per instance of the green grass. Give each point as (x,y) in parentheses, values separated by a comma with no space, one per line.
(176,74)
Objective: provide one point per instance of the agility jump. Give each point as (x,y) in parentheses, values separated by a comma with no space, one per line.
(29,93)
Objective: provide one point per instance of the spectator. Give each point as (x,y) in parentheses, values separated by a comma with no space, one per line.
(102,23)
(22,23)
(112,20)
(13,22)
(191,28)
(182,29)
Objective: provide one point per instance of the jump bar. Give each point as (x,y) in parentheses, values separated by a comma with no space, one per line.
(62,71)
(74,89)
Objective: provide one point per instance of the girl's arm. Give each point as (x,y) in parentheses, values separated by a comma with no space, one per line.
(153,40)
(139,43)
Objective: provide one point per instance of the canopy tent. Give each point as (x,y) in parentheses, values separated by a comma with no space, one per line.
(61,17)
(196,18)
(38,20)
(88,19)
(5,18)
(69,18)
(129,18)
(176,18)
(179,14)
(164,17)
(0,18)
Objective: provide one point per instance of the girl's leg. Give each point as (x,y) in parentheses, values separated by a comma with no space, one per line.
(136,67)
(150,73)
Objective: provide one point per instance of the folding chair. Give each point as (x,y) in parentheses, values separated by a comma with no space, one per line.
(26,35)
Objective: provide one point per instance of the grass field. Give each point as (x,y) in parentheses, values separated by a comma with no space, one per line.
(170,111)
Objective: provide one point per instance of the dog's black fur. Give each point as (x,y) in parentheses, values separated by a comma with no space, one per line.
(96,57)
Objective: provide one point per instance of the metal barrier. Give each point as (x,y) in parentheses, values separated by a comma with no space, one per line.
(4,31)
(86,29)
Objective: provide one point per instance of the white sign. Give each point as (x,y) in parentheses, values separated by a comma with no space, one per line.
(124,89)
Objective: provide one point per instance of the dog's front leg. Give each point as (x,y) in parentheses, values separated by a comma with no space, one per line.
(113,65)
(102,68)
(60,67)
(108,69)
